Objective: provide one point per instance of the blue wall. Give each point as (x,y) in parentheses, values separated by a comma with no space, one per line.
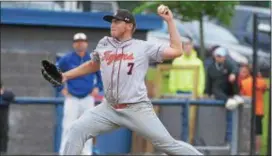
(70,19)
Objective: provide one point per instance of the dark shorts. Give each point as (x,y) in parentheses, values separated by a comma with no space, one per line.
(259,125)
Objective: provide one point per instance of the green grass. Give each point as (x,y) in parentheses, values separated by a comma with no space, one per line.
(265,123)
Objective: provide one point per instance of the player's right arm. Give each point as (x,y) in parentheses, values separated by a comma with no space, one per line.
(175,48)
(84,69)
(158,52)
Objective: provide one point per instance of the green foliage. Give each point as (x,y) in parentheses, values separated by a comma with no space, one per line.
(193,10)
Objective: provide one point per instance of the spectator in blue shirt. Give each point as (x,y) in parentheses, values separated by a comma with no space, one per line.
(79,93)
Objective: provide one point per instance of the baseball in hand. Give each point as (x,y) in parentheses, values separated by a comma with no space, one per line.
(165,12)
(162,9)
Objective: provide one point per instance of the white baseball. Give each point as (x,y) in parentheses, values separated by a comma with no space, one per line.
(162,8)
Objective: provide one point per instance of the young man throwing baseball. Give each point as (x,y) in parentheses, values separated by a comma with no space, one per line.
(124,62)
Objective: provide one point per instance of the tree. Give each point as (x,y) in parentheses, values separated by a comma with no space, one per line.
(195,10)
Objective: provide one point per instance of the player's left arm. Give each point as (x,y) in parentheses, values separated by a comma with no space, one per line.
(175,48)
(62,65)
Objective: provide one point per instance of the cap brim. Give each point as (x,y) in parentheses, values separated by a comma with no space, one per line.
(220,55)
(109,18)
(76,40)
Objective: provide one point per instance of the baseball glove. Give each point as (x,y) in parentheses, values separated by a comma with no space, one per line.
(51,73)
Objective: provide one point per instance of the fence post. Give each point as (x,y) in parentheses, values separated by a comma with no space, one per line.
(235,131)
(185,121)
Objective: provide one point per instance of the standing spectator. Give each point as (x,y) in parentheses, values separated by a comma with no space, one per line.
(210,57)
(79,93)
(181,81)
(221,81)
(6,97)
(246,90)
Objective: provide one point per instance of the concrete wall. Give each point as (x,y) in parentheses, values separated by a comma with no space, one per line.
(48,39)
(31,126)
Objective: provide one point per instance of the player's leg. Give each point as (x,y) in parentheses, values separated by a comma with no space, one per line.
(70,114)
(143,119)
(93,122)
(85,104)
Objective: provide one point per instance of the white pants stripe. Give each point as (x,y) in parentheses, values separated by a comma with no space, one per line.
(73,109)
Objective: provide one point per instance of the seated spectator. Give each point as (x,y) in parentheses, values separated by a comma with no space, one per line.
(181,81)
(221,81)
(6,97)
(246,90)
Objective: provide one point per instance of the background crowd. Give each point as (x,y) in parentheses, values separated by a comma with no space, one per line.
(225,73)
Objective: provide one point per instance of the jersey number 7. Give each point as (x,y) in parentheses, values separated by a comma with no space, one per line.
(130,65)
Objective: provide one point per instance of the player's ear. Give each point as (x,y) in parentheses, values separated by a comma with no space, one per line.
(131,28)
(86,43)
(74,44)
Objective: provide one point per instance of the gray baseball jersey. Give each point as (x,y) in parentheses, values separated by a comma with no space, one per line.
(124,66)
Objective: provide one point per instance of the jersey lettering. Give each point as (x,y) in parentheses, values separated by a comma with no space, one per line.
(109,58)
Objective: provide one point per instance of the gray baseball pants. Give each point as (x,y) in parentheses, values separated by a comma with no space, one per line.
(138,117)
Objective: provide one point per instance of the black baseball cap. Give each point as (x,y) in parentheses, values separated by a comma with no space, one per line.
(121,14)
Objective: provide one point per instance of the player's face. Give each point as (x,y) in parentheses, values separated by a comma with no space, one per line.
(187,47)
(119,28)
(219,59)
(80,46)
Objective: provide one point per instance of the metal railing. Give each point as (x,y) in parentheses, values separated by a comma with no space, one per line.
(184,103)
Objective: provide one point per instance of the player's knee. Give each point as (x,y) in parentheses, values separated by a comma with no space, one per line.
(76,131)
(164,142)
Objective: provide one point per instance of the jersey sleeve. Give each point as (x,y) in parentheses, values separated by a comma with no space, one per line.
(95,54)
(155,51)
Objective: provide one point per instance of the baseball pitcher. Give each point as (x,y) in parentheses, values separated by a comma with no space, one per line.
(123,62)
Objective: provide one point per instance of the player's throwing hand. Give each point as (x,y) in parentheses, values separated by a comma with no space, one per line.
(165,12)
